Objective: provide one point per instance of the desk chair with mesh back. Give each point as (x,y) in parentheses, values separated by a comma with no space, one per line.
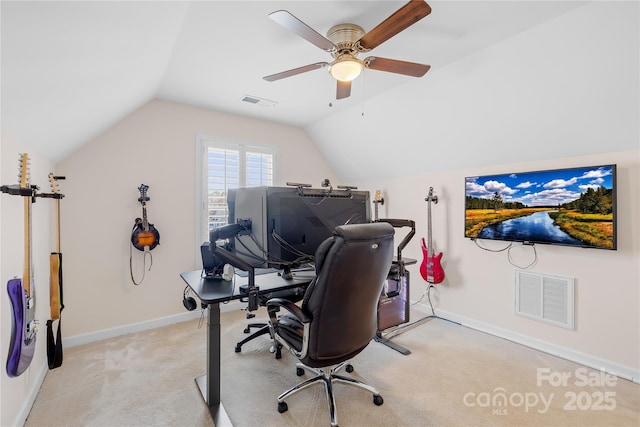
(293,295)
(338,315)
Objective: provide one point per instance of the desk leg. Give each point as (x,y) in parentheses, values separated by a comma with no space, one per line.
(209,384)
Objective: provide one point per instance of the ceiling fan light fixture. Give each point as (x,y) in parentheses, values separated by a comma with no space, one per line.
(346,69)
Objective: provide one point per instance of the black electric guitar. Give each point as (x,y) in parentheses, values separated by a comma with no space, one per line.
(144,236)
(430,268)
(22,291)
(54,343)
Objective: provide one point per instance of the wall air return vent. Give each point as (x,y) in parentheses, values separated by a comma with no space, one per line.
(545,298)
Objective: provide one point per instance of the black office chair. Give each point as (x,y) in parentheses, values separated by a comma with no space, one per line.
(338,315)
(293,295)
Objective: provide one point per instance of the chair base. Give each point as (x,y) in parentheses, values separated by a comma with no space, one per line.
(327,376)
(263,330)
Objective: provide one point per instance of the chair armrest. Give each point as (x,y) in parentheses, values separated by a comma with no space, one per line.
(274,304)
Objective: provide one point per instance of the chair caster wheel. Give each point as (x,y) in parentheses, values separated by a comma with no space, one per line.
(246,330)
(378,400)
(282,407)
(349,368)
(238,349)
(299,372)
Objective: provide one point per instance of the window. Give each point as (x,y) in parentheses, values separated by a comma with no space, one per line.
(223,166)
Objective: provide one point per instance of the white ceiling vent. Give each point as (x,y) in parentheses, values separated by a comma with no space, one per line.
(545,298)
(259,101)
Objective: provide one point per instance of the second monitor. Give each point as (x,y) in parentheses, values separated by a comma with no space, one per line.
(288,224)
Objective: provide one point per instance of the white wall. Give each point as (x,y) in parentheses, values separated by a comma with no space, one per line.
(155,146)
(17,394)
(479,285)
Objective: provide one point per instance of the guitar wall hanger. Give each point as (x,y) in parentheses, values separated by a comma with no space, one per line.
(32,192)
(54,195)
(16,190)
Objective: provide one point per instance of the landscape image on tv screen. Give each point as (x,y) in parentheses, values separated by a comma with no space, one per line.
(575,207)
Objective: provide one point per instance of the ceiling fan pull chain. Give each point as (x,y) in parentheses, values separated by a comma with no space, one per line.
(362,93)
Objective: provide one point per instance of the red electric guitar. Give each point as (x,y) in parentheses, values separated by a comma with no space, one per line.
(430,269)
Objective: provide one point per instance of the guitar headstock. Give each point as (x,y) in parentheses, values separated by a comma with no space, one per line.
(431,197)
(23,174)
(54,184)
(143,193)
(378,197)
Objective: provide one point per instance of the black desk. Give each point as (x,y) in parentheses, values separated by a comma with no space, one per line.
(212,292)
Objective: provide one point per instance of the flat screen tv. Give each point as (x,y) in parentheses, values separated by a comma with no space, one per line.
(572,207)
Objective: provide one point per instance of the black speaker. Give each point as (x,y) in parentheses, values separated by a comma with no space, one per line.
(189,302)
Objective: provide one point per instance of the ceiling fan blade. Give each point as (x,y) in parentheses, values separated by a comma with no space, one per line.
(294,71)
(343,90)
(401,19)
(295,25)
(394,66)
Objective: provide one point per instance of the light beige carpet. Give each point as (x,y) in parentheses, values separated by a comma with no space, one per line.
(454,376)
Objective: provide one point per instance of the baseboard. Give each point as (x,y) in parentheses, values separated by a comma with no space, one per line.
(27,404)
(103,334)
(588,360)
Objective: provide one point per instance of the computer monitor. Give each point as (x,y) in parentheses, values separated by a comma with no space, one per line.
(289,223)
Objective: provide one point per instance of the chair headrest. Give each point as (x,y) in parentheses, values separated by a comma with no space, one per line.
(368,231)
(350,233)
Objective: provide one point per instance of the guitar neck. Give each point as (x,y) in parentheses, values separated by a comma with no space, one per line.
(145,223)
(58,225)
(27,273)
(429,240)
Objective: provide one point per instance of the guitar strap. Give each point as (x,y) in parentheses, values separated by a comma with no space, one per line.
(54,345)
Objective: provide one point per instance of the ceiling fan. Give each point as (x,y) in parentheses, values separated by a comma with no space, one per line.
(345,41)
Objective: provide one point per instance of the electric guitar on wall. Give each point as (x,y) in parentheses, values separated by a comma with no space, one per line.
(430,269)
(145,236)
(54,343)
(22,291)
(377,200)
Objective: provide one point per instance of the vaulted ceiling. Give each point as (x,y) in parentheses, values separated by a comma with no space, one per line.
(70,70)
